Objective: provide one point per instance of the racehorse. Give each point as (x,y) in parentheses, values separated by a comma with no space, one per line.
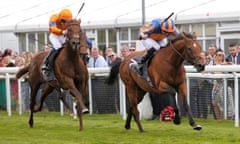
(166,72)
(70,71)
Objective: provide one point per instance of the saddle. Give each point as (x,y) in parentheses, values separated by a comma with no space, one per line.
(143,70)
(144,67)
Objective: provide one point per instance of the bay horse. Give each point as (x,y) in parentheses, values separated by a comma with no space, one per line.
(70,71)
(167,74)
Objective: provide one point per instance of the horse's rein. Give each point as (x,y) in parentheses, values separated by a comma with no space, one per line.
(180,53)
(176,50)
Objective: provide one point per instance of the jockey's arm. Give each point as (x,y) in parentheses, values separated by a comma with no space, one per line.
(146,30)
(53,25)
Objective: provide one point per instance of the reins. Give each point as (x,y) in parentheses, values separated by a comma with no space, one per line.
(176,50)
(181,55)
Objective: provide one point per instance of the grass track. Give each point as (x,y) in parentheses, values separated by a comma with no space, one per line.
(51,128)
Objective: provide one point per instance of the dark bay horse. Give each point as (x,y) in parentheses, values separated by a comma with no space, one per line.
(167,73)
(70,71)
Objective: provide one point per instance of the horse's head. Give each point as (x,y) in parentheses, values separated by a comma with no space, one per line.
(76,37)
(192,51)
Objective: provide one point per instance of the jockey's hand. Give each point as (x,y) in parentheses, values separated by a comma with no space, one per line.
(64,32)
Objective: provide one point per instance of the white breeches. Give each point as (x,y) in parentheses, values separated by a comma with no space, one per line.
(56,41)
(150,43)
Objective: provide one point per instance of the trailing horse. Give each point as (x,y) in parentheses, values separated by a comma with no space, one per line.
(166,73)
(70,71)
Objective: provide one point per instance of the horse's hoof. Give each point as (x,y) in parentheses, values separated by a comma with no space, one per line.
(127,127)
(37,108)
(176,121)
(197,127)
(84,111)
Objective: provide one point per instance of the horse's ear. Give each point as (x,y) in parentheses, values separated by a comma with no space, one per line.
(194,35)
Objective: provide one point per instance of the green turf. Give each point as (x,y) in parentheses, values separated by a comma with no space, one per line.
(51,128)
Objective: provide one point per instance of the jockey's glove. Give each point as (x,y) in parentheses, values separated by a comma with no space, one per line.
(64,32)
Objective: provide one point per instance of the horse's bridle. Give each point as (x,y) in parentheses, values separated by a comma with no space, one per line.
(74,44)
(188,50)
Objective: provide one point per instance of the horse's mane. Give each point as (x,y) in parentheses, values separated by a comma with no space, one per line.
(181,37)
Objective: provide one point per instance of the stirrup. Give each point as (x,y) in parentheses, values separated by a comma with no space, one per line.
(45,67)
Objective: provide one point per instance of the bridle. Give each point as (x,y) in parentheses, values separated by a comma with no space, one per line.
(76,43)
(193,60)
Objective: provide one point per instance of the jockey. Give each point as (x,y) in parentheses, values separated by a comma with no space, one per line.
(57,28)
(154,36)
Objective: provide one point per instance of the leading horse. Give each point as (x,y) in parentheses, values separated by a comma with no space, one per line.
(166,72)
(70,71)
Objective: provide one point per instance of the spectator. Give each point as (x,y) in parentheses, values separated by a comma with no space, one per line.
(108,51)
(211,53)
(204,93)
(7,52)
(233,58)
(96,60)
(217,92)
(113,57)
(124,52)
(6,60)
(132,49)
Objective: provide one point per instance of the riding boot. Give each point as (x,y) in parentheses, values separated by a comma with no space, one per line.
(48,65)
(137,67)
(147,55)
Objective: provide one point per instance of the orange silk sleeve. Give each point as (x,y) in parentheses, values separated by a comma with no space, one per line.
(53,28)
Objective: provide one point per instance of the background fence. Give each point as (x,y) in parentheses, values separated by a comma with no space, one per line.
(112,99)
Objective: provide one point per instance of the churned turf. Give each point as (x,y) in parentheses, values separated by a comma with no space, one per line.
(51,128)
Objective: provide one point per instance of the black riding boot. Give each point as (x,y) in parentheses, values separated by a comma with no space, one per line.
(48,65)
(137,67)
(147,55)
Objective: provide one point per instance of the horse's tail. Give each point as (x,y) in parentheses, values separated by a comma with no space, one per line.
(22,71)
(114,71)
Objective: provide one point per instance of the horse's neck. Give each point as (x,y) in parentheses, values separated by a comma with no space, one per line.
(70,53)
(174,54)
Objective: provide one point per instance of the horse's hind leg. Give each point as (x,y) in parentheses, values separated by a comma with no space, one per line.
(129,118)
(62,98)
(47,89)
(135,97)
(136,118)
(177,119)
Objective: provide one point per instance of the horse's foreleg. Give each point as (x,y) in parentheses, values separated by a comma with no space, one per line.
(79,112)
(182,91)
(189,113)
(81,108)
